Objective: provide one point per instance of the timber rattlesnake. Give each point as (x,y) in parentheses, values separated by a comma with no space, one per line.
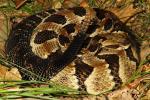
(88,49)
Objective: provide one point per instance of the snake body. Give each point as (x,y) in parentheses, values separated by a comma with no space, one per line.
(88,49)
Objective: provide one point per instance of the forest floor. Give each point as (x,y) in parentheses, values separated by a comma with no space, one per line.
(135,13)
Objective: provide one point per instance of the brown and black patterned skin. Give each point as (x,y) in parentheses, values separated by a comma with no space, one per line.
(88,49)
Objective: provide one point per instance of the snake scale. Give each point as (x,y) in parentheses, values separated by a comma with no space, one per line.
(88,49)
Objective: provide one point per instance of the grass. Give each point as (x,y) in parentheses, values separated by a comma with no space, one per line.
(138,73)
(13,89)
(8,91)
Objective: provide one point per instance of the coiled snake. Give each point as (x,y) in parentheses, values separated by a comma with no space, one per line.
(88,49)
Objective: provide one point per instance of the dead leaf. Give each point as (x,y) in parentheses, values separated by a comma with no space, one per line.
(125,12)
(145,49)
(146,68)
(4,30)
(147,96)
(71,3)
(45,4)
(137,81)
(40,1)
(84,3)
(121,94)
(19,3)
(56,4)
(9,73)
(129,91)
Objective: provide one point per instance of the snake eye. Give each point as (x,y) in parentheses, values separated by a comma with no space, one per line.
(108,24)
(45,35)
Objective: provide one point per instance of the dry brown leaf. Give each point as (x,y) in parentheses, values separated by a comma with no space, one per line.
(130,91)
(122,94)
(84,3)
(4,30)
(44,3)
(49,3)
(2,50)
(147,96)
(19,3)
(56,4)
(40,1)
(9,73)
(146,68)
(145,49)
(4,23)
(84,97)
(124,13)
(74,3)
(71,3)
